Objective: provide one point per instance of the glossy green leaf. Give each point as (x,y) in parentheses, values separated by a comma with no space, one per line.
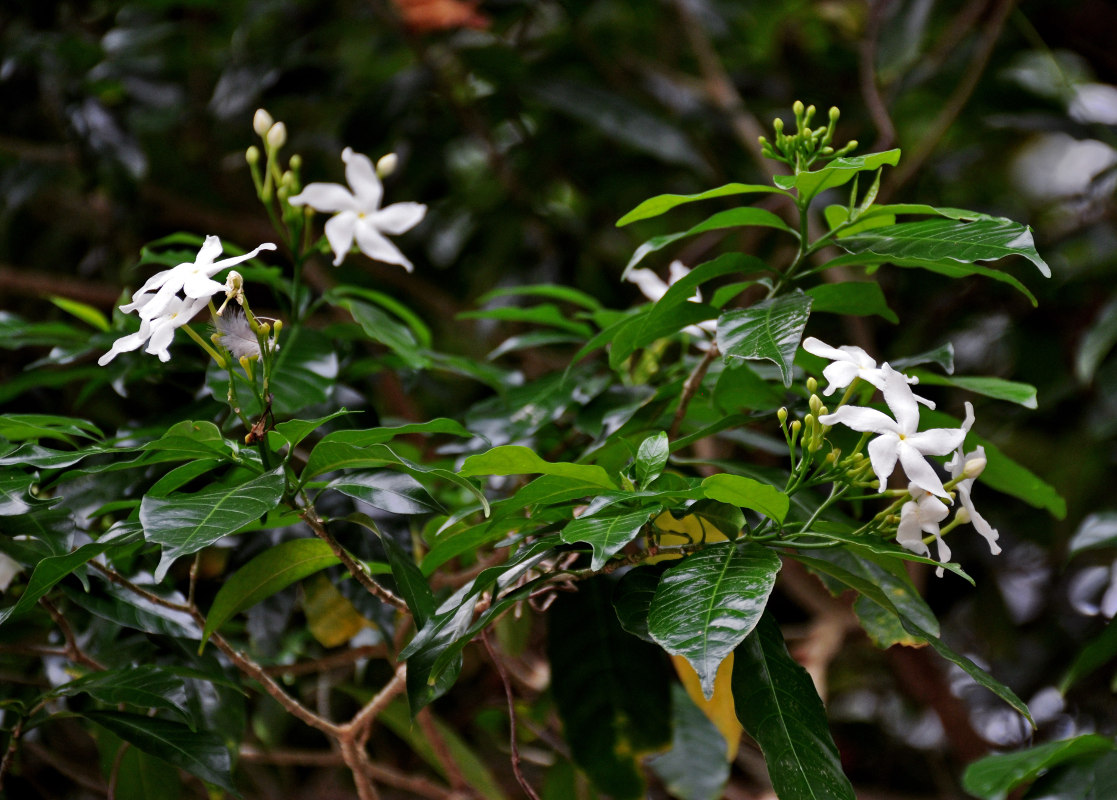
(551,291)
(414,323)
(769,330)
(386,329)
(998,388)
(606,534)
(943,356)
(269,572)
(710,601)
(139,775)
(651,458)
(632,598)
(1096,343)
(93,317)
(778,706)
(695,767)
(835,173)
(30,454)
(856,298)
(743,492)
(1097,530)
(519,460)
(145,686)
(611,690)
(652,325)
(201,753)
(190,439)
(129,610)
(17,427)
(185,523)
(654,206)
(993,777)
(411,583)
(343,449)
(1094,655)
(881,598)
(546,314)
(987,239)
(394,492)
(733,218)
(1001,472)
(293,431)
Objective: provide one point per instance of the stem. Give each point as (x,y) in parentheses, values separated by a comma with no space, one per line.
(193,334)
(690,388)
(514,747)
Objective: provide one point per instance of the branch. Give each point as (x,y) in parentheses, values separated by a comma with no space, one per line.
(690,387)
(329,662)
(73,649)
(359,725)
(870,92)
(530,792)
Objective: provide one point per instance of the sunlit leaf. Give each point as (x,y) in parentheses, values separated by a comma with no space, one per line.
(520,460)
(651,458)
(394,492)
(993,777)
(606,534)
(998,388)
(654,206)
(835,173)
(744,492)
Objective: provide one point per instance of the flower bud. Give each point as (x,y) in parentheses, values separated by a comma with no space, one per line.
(962,516)
(296,162)
(974,467)
(812,385)
(815,403)
(252,155)
(781,415)
(796,426)
(277,136)
(387,165)
(797,108)
(834,114)
(262,122)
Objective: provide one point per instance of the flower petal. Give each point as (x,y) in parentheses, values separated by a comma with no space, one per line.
(900,400)
(865,420)
(882,455)
(127,343)
(339,233)
(649,284)
(839,375)
(909,534)
(918,470)
(398,217)
(328,198)
(362,178)
(936,441)
(373,244)
(198,285)
(232,261)
(210,250)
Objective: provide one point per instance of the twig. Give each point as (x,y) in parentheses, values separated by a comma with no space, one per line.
(530,792)
(438,744)
(690,387)
(73,649)
(329,662)
(310,517)
(913,163)
(870,92)
(361,721)
(120,580)
(114,773)
(357,760)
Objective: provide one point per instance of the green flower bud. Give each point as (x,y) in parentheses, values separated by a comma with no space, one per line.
(252,155)
(277,136)
(812,385)
(815,403)
(296,162)
(782,415)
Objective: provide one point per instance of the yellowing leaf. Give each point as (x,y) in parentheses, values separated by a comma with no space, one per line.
(690,529)
(719,709)
(331,618)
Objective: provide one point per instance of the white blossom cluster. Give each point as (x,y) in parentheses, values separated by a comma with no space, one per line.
(899,439)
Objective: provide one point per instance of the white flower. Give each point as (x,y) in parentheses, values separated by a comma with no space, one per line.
(194,279)
(899,439)
(9,568)
(922,515)
(157,332)
(849,364)
(357,212)
(653,288)
(970,466)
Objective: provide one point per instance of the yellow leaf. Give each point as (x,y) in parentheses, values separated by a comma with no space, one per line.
(719,708)
(331,618)
(691,529)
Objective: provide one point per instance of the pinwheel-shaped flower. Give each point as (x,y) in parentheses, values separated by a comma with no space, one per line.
(157,332)
(922,515)
(358,215)
(899,438)
(849,364)
(192,278)
(969,466)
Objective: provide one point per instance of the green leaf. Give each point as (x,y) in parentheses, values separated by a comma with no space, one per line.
(339,449)
(143,685)
(549,290)
(394,492)
(128,610)
(651,458)
(201,753)
(778,706)
(185,523)
(881,598)
(710,601)
(414,323)
(649,326)
(1095,654)
(1001,472)
(86,313)
(382,327)
(1095,531)
(770,330)
(835,173)
(987,239)
(16,427)
(269,572)
(543,314)
(999,389)
(654,206)
(1096,343)
(943,355)
(611,690)
(737,490)
(695,767)
(293,431)
(993,777)
(606,535)
(189,439)
(511,459)
(733,218)
(856,298)
(632,598)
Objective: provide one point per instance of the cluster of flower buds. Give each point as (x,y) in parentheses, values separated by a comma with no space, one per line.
(802,148)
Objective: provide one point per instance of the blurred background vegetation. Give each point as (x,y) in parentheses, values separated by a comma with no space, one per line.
(530,127)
